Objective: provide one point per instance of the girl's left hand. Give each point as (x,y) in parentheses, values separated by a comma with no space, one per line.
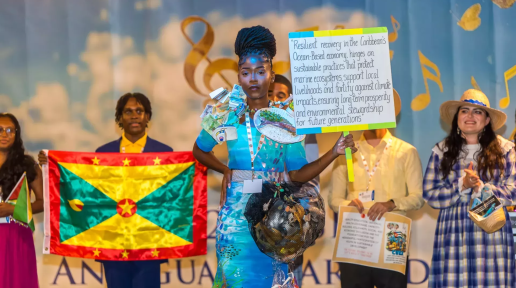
(6,210)
(342,144)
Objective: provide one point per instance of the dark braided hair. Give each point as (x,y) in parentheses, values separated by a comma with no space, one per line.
(16,163)
(256,40)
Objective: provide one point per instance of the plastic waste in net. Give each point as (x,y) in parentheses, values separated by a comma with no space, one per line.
(284,220)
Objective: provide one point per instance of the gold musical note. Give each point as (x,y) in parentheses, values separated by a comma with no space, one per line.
(199,52)
(397,102)
(395,26)
(504,102)
(394,34)
(422,100)
(282,67)
(512,134)
(313,28)
(470,20)
(474,84)
(504,4)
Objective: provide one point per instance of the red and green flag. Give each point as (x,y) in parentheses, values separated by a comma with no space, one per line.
(20,198)
(115,206)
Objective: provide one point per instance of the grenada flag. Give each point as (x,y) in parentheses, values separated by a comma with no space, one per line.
(115,206)
(20,198)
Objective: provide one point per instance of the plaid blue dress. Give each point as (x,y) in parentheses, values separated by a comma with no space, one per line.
(463,254)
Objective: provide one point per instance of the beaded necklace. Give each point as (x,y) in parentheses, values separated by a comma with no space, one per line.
(249,110)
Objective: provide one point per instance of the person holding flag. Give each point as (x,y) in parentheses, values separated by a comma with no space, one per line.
(133,113)
(19,174)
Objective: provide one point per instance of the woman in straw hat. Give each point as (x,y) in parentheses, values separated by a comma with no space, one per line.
(472,154)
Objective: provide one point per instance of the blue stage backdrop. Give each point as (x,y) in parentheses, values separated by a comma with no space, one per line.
(65,63)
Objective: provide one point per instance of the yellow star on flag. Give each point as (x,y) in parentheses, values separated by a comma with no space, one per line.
(155,253)
(157,161)
(126,162)
(96,161)
(126,208)
(96,252)
(125,254)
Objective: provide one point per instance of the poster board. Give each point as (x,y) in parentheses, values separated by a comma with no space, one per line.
(379,244)
(341,80)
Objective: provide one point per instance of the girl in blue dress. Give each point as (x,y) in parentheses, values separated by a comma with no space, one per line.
(240,262)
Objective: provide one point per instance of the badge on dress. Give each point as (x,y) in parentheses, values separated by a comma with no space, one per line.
(253,186)
(366,196)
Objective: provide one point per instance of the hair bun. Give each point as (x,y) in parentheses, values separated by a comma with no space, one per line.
(256,39)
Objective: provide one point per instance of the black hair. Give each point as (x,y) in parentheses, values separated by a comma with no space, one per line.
(256,40)
(16,163)
(140,99)
(283,80)
(490,155)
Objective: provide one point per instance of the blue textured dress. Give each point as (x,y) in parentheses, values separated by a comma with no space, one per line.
(239,261)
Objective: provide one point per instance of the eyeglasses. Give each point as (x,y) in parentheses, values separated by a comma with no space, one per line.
(9,131)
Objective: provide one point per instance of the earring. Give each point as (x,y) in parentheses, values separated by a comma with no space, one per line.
(458,131)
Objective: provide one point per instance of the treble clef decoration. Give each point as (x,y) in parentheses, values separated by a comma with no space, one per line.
(199,52)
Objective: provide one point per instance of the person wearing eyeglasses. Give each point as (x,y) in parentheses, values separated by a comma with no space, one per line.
(18,256)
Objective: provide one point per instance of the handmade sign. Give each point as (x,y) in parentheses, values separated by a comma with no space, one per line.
(381,244)
(341,81)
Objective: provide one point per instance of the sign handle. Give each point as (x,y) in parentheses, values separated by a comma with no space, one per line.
(349,161)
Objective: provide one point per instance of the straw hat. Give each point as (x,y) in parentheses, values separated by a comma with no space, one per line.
(472,97)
